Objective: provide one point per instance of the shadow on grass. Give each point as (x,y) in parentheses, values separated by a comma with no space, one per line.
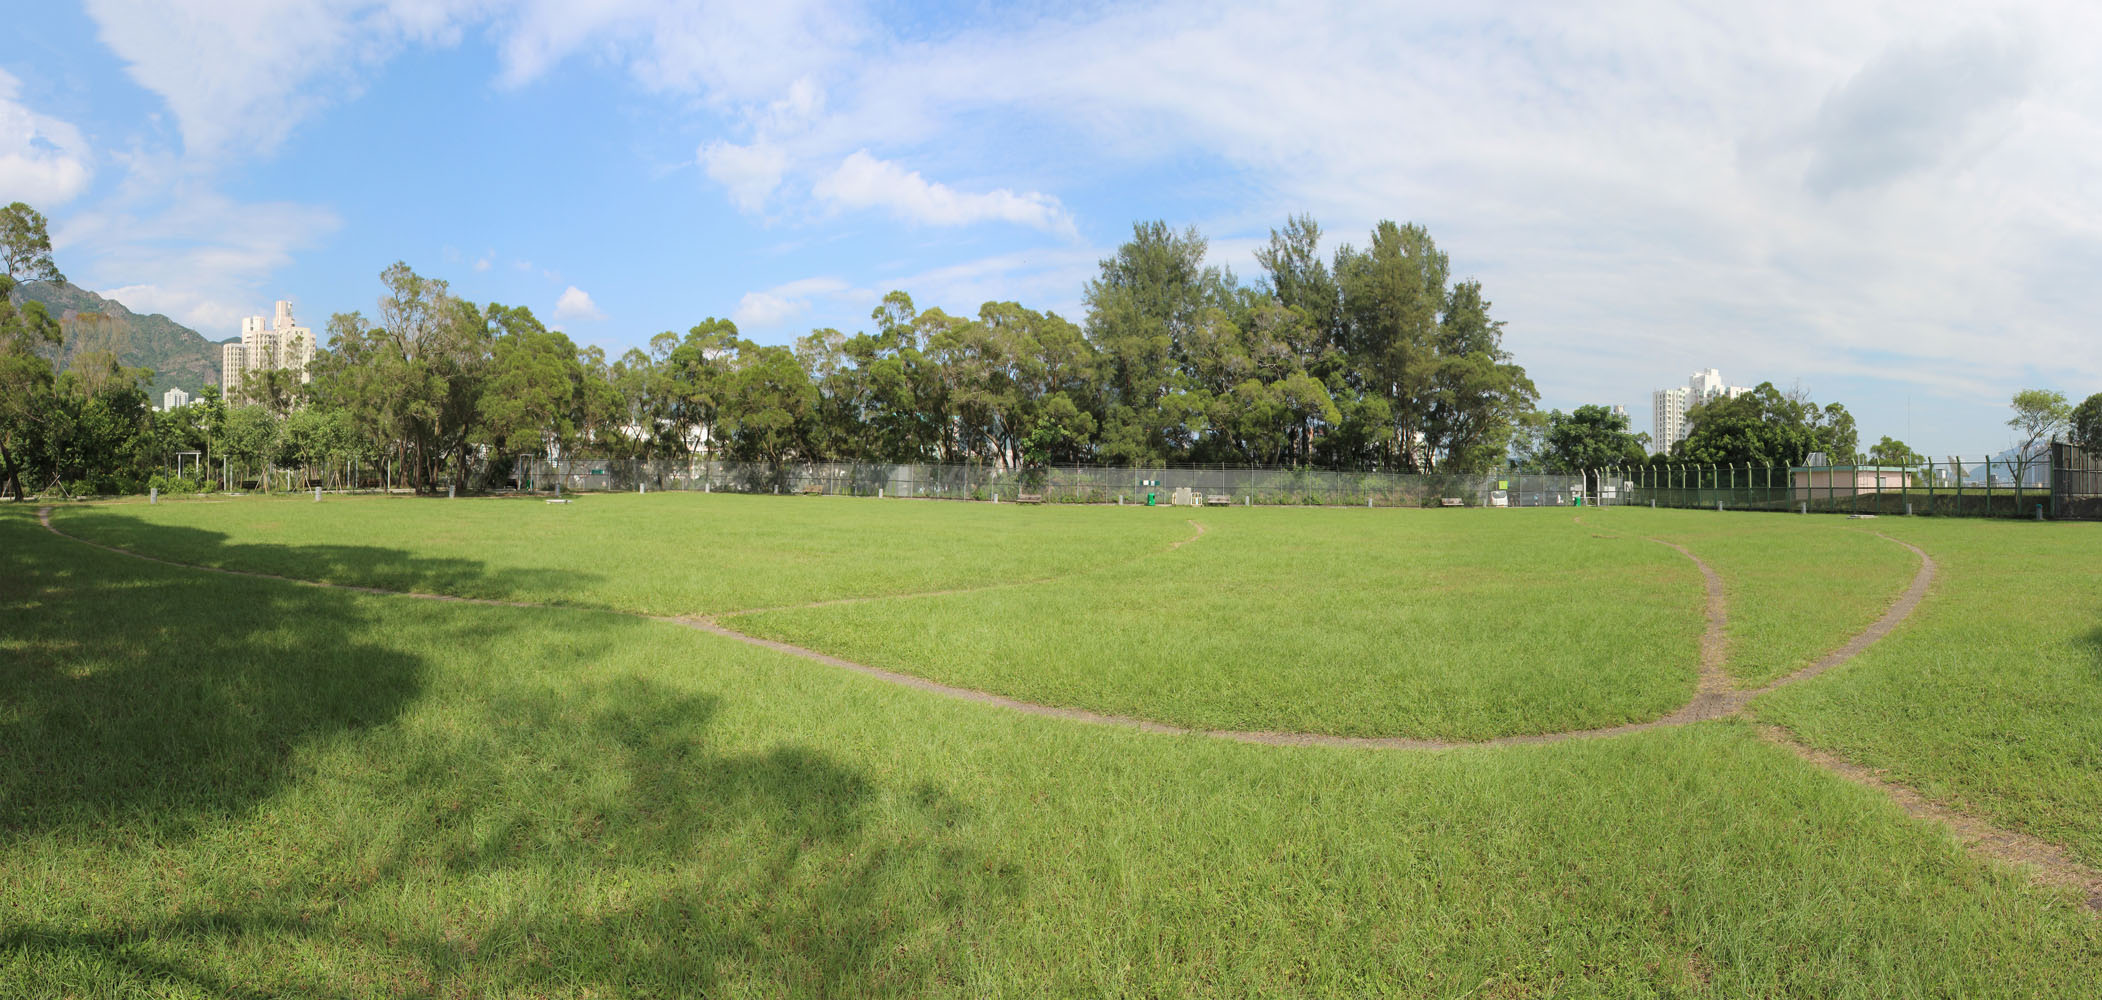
(356,565)
(422,799)
(136,692)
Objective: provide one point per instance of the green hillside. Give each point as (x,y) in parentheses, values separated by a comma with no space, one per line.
(179,356)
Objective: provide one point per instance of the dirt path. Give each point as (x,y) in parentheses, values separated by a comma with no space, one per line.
(2047,863)
(1714,697)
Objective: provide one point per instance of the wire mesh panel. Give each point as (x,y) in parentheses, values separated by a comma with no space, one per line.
(2065,483)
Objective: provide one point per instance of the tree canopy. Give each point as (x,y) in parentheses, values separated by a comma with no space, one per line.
(1372,357)
(1766,428)
(1591,437)
(2085,423)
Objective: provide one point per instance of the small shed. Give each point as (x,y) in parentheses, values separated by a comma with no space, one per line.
(1817,478)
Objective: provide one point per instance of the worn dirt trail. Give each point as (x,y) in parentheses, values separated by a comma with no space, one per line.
(1714,697)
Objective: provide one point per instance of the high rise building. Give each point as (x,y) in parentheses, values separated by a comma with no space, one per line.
(1668,418)
(282,344)
(1669,406)
(174,399)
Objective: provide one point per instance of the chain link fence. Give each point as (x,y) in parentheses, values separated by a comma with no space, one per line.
(2065,483)
(1053,484)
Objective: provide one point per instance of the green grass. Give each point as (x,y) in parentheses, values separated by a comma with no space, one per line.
(665,553)
(1462,624)
(1798,586)
(1434,624)
(1991,699)
(215,786)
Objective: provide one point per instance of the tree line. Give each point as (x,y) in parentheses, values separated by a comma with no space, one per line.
(1767,429)
(1371,358)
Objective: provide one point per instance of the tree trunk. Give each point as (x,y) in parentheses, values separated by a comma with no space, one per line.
(12,483)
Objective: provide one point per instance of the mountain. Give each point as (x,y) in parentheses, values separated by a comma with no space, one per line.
(179,356)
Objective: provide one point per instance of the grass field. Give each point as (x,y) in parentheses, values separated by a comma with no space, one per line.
(664,554)
(1994,701)
(214,785)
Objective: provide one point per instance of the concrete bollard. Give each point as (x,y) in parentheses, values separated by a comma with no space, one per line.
(153,495)
(1805,508)
(448,493)
(996,498)
(1908,508)
(1718,506)
(1653,504)
(2039,512)
(640,488)
(1247,501)
(317,493)
(1368,503)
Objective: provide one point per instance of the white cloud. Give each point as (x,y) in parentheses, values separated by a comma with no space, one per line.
(1894,190)
(1901,188)
(215,319)
(43,161)
(863,181)
(575,306)
(727,49)
(205,260)
(751,173)
(240,77)
(775,306)
(1912,107)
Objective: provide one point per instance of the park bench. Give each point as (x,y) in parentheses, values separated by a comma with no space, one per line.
(812,490)
(1218,500)
(1451,502)
(1029,498)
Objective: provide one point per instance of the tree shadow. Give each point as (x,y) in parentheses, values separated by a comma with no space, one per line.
(373,566)
(411,827)
(133,693)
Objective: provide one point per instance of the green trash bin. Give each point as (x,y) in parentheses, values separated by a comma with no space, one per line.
(1150,498)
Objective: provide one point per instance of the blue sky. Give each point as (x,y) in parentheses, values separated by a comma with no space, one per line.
(1888,205)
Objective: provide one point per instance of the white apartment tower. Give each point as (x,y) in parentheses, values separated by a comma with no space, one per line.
(174,399)
(1669,406)
(282,344)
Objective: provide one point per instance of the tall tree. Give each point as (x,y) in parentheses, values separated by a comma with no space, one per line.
(26,381)
(1892,452)
(2085,423)
(535,394)
(25,248)
(2039,415)
(770,407)
(1590,437)
(1142,307)
(1765,428)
